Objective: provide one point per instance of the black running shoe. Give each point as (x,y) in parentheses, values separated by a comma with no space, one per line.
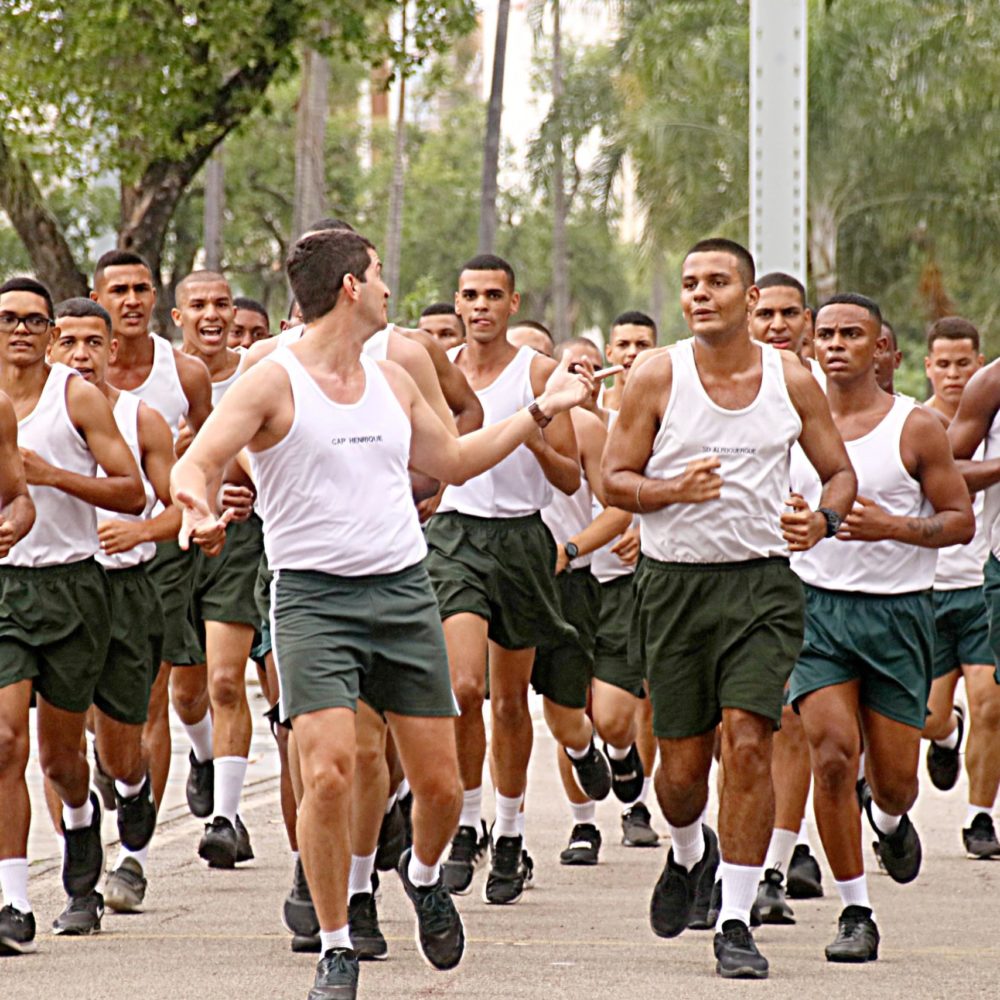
(674,893)
(736,954)
(592,772)
(311,944)
(83,855)
(200,788)
(136,816)
(366,935)
(298,913)
(980,839)
(705,908)
(406,807)
(391,839)
(584,846)
(125,887)
(637,830)
(218,844)
(626,775)
(900,852)
(505,882)
(103,784)
(468,851)
(857,937)
(943,763)
(244,852)
(81,916)
(805,881)
(440,934)
(771,899)
(527,870)
(17,932)
(714,906)
(336,976)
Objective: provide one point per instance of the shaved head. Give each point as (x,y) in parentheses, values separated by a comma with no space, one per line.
(197,278)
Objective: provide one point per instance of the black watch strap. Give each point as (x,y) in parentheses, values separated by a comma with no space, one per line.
(833,521)
(572,550)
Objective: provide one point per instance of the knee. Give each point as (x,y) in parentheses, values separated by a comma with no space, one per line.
(834,765)
(985,713)
(746,757)
(227,689)
(509,710)
(370,764)
(442,794)
(616,729)
(470,693)
(13,748)
(330,781)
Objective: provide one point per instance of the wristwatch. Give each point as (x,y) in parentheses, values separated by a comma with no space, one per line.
(572,550)
(833,521)
(536,411)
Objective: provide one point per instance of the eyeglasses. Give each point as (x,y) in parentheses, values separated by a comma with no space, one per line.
(34,323)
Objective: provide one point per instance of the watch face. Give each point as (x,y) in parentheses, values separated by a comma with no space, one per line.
(571,550)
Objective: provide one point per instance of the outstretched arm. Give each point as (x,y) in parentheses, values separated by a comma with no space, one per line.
(975,416)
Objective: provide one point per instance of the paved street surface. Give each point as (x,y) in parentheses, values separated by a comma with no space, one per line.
(580,934)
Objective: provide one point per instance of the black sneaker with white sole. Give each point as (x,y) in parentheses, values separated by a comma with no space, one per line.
(200,787)
(771,902)
(336,976)
(592,772)
(298,914)
(505,882)
(857,937)
(468,852)
(136,816)
(17,932)
(736,954)
(366,935)
(83,855)
(583,847)
(637,827)
(980,839)
(627,775)
(805,881)
(82,916)
(391,839)
(943,764)
(440,933)
(674,893)
(125,887)
(900,852)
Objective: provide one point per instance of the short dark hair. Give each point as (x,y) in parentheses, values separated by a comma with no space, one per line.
(952,328)
(25,283)
(532,324)
(251,305)
(118,258)
(329,222)
(440,309)
(83,308)
(633,317)
(778,279)
(862,301)
(490,262)
(718,244)
(318,264)
(892,333)
(557,351)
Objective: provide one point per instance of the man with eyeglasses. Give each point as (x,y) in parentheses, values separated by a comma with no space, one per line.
(54,615)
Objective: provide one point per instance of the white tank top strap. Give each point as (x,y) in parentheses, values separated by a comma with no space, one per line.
(605,565)
(220,388)
(377,346)
(162,389)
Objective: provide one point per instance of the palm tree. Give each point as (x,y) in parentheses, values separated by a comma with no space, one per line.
(491,142)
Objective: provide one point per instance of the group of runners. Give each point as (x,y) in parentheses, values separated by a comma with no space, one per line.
(746,530)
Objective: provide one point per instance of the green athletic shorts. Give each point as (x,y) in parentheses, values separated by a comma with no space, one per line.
(562,673)
(135,649)
(224,584)
(379,637)
(613,663)
(262,597)
(172,572)
(991,592)
(885,641)
(714,636)
(501,569)
(962,630)
(55,624)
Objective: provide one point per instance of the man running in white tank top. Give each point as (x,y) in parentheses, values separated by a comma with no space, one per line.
(353,614)
(700,450)
(869,641)
(55,622)
(178,387)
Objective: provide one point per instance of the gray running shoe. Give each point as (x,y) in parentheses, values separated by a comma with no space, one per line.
(125,887)
(81,916)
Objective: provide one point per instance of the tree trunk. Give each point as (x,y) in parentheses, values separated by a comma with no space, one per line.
(823,250)
(310,135)
(215,207)
(394,231)
(561,325)
(38,228)
(491,145)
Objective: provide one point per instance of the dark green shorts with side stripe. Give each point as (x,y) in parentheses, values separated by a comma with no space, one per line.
(886,642)
(55,624)
(991,593)
(615,661)
(962,630)
(715,635)
(501,569)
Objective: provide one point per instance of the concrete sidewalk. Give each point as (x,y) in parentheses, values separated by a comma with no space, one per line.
(580,933)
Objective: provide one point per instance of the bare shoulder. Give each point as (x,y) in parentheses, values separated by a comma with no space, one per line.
(189,367)
(8,417)
(802,386)
(651,370)
(937,414)
(923,424)
(399,379)
(540,370)
(152,424)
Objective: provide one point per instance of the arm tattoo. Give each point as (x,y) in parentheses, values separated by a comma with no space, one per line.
(927,528)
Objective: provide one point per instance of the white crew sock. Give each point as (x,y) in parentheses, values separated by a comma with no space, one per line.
(779,851)
(360,877)
(391,801)
(884,822)
(579,754)
(14,883)
(520,821)
(140,857)
(975,811)
(295,857)
(472,808)
(803,837)
(229,775)
(78,817)
(403,790)
(420,874)
(854,892)
(617,753)
(688,844)
(127,791)
(507,810)
(951,740)
(739,890)
(200,735)
(585,812)
(647,783)
(340,938)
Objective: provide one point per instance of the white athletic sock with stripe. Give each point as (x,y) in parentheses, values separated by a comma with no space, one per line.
(230,773)
(854,892)
(779,851)
(472,808)
(585,812)
(14,883)
(200,735)
(739,890)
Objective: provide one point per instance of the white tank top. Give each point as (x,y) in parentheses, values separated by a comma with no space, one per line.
(817,373)
(219,389)
(334,493)
(162,389)
(870,567)
(65,529)
(516,486)
(376,346)
(752,444)
(991,501)
(127,418)
(605,565)
(960,567)
(566,516)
